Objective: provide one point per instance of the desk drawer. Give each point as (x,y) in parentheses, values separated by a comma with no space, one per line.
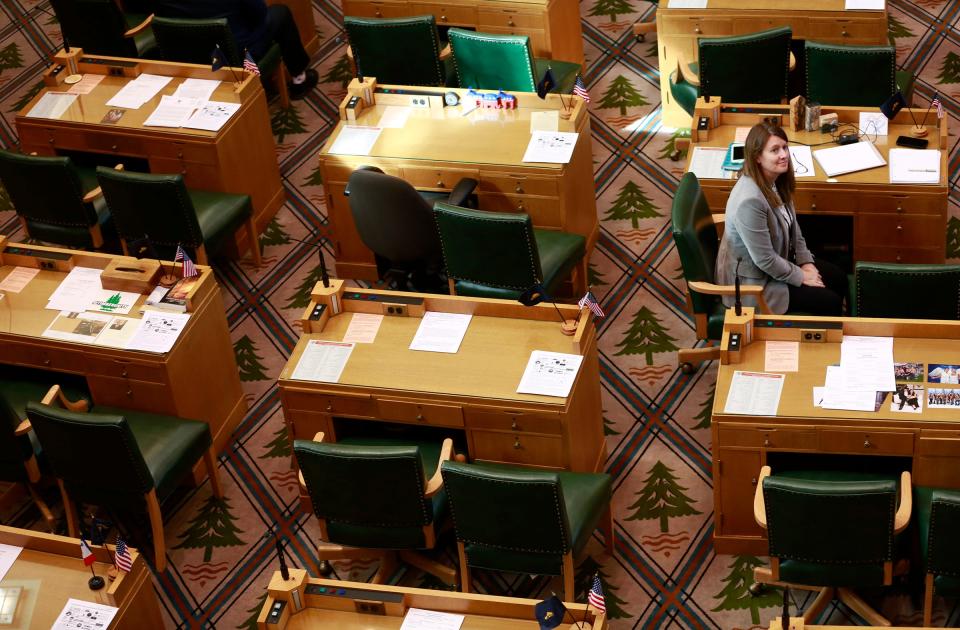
(798,439)
(900,204)
(333,173)
(305,400)
(843,30)
(122,392)
(509,18)
(116,144)
(812,201)
(118,368)
(897,254)
(513,421)
(516,448)
(894,230)
(436,415)
(43,358)
(754,24)
(866,442)
(447,13)
(376,9)
(939,446)
(543,211)
(57,138)
(184,151)
(506,184)
(442,178)
(694,26)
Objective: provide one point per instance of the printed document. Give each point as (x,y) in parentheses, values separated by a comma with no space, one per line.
(802,159)
(197,88)
(211,116)
(322,361)
(108,301)
(8,555)
(52,105)
(834,395)
(363,328)
(782,356)
(867,364)
(76,290)
(78,327)
(17,279)
(81,615)
(354,140)
(707,163)
(440,332)
(118,332)
(172,111)
(873,124)
(849,158)
(555,147)
(86,84)
(914,166)
(158,331)
(754,393)
(419,619)
(864,5)
(394,117)
(137,92)
(550,373)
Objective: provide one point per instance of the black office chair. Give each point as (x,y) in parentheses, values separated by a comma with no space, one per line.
(395,222)
(906,291)
(101,28)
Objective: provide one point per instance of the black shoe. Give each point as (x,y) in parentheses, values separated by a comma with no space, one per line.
(299,90)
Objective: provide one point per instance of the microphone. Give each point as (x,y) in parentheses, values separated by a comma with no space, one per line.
(284,572)
(785,616)
(737,304)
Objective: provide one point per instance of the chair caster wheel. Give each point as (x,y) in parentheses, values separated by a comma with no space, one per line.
(325,568)
(675,156)
(756,589)
(687,368)
(641,37)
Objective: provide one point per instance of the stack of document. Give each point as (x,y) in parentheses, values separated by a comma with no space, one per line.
(137,92)
(849,158)
(914,166)
(866,367)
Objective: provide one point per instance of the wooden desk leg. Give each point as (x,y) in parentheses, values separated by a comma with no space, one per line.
(927,600)
(464,568)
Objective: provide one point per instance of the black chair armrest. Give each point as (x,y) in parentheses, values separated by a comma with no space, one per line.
(463,189)
(362,167)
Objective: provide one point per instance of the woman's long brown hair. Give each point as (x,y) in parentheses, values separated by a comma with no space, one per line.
(752,149)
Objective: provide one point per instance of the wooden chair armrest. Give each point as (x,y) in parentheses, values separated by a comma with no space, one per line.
(350,55)
(759,508)
(319,436)
(446,52)
(685,72)
(793,62)
(55,395)
(902,518)
(720,218)
(751,290)
(642,28)
(96,193)
(23,428)
(316,438)
(436,482)
(139,28)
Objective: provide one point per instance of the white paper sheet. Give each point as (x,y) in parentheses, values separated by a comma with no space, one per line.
(754,393)
(802,159)
(550,373)
(158,331)
(17,279)
(914,166)
(781,356)
(849,158)
(137,92)
(440,332)
(86,84)
(172,111)
(866,363)
(322,361)
(113,302)
(355,140)
(81,615)
(873,123)
(8,555)
(548,120)
(864,5)
(707,163)
(78,327)
(212,116)
(202,89)
(52,105)
(118,333)
(394,117)
(363,328)
(76,290)
(419,619)
(687,4)
(818,396)
(554,147)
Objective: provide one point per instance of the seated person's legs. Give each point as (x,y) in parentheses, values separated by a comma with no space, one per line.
(283,30)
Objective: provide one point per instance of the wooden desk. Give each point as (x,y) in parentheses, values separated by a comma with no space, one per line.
(891,222)
(439,146)
(240,158)
(167,383)
(742,444)
(820,20)
(302,11)
(471,394)
(553,25)
(323,606)
(50,572)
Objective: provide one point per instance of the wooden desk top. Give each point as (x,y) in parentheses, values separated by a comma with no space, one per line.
(445,134)
(810,6)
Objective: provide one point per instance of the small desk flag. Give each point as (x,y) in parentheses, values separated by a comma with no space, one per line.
(595,597)
(121,557)
(547,83)
(550,612)
(217,58)
(580,89)
(249,64)
(86,553)
(590,301)
(189,269)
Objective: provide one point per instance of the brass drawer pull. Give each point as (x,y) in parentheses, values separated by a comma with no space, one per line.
(516,443)
(514,426)
(866,443)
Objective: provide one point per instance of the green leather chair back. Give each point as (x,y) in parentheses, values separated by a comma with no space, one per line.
(746,68)
(907,291)
(98,26)
(96,455)
(489,248)
(485,61)
(508,519)
(48,194)
(397,51)
(370,495)
(830,532)
(850,75)
(697,240)
(943,548)
(154,205)
(193,40)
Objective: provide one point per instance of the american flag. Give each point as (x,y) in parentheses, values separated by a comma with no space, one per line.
(249,64)
(189,269)
(580,89)
(590,302)
(121,557)
(936,103)
(595,596)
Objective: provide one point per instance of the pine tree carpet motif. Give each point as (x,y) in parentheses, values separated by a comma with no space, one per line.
(664,573)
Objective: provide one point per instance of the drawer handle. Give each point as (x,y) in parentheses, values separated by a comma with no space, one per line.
(123,372)
(813,206)
(329,406)
(420,417)
(753,481)
(899,207)
(51,140)
(516,443)
(510,23)
(866,443)
(379,14)
(440,183)
(766,441)
(129,392)
(845,33)
(514,426)
(899,228)
(898,257)
(113,147)
(696,29)
(518,189)
(443,18)
(520,207)
(180,154)
(46,361)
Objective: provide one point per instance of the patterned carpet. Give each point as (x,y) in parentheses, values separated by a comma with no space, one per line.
(664,573)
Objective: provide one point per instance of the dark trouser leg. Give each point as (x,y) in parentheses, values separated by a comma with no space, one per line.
(827,300)
(283,30)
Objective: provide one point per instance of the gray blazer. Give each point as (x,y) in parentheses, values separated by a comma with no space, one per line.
(759,235)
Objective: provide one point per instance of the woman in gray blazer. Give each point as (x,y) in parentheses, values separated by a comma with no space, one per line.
(762,233)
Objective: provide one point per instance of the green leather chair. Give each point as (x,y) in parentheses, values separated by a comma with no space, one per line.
(854,75)
(721,69)
(831,531)
(144,457)
(379,498)
(906,291)
(698,241)
(521,520)
(397,51)
(101,28)
(485,61)
(938,518)
(21,458)
(501,255)
(161,206)
(56,201)
(193,40)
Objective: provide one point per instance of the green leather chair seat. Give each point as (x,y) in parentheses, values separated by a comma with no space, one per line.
(685,94)
(219,214)
(170,445)
(145,41)
(559,254)
(946,585)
